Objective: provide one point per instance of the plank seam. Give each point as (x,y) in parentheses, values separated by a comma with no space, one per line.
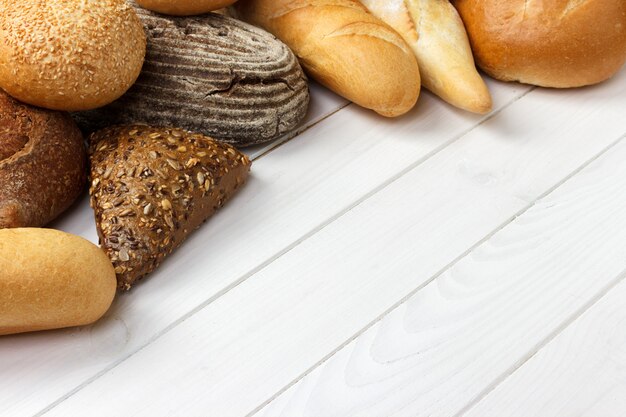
(440,273)
(289,137)
(284,251)
(543,343)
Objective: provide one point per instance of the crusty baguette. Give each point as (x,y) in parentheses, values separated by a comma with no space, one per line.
(184,7)
(435,32)
(50,279)
(43,164)
(550,43)
(345,48)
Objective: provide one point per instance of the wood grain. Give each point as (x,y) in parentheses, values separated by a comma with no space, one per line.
(270,329)
(581,373)
(293,191)
(493,310)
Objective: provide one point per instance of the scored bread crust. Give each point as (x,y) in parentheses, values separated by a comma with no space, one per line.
(151,187)
(550,43)
(213,75)
(184,7)
(344,47)
(43,164)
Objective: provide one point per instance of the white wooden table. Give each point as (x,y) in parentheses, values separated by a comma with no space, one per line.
(440,264)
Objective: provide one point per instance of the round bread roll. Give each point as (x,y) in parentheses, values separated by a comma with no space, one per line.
(50,280)
(549,43)
(212,75)
(184,7)
(43,164)
(69,54)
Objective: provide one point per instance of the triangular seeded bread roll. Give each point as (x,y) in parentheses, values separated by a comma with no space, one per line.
(435,32)
(151,187)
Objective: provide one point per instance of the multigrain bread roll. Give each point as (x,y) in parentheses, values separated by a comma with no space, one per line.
(152,187)
(345,48)
(69,55)
(214,75)
(435,32)
(50,280)
(184,7)
(43,164)
(550,43)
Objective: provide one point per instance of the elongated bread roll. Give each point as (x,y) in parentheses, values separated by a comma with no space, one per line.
(50,279)
(184,7)
(436,34)
(345,48)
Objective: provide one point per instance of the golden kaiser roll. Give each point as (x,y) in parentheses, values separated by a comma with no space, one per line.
(550,43)
(50,280)
(184,7)
(69,54)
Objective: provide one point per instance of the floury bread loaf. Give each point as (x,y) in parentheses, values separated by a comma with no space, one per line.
(550,43)
(212,75)
(345,48)
(50,280)
(435,32)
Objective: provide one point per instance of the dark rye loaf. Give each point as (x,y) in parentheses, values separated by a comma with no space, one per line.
(213,75)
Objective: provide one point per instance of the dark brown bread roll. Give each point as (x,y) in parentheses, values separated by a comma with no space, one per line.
(214,75)
(43,164)
(151,187)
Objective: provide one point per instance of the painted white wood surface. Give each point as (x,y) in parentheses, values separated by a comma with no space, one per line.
(247,345)
(294,190)
(467,330)
(581,373)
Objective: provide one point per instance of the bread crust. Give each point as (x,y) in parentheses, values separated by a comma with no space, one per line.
(50,280)
(43,164)
(184,7)
(69,55)
(152,187)
(344,47)
(213,75)
(550,43)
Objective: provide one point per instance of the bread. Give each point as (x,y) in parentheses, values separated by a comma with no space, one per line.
(151,187)
(435,32)
(345,48)
(549,43)
(69,55)
(43,164)
(213,75)
(50,280)
(184,7)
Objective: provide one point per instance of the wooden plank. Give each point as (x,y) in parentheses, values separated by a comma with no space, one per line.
(293,191)
(323,104)
(580,373)
(235,353)
(467,330)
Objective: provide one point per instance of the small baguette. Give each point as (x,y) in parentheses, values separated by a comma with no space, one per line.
(343,47)
(435,32)
(184,7)
(50,280)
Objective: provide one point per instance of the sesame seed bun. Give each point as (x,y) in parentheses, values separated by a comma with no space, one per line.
(184,7)
(550,43)
(69,54)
